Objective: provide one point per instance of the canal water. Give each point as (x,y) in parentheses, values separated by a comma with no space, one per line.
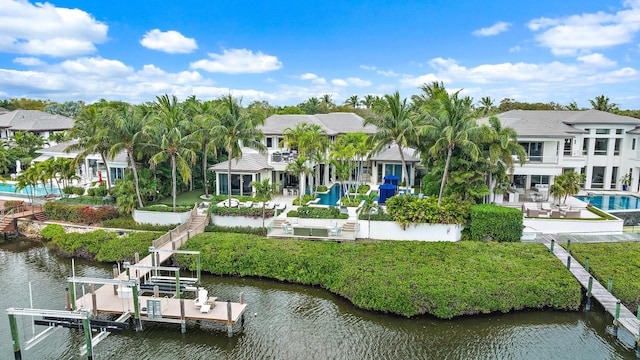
(286,321)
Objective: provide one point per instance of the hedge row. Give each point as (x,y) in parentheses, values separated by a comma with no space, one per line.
(78,213)
(240,211)
(406,278)
(237,229)
(317,212)
(498,223)
(406,210)
(102,245)
(127,222)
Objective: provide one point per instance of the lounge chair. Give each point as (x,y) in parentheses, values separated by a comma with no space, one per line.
(574,214)
(286,228)
(269,205)
(280,206)
(555,214)
(202,299)
(248,204)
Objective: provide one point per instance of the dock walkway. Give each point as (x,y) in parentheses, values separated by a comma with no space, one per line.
(627,320)
(109,301)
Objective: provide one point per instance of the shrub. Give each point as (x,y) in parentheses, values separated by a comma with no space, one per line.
(350,201)
(381,215)
(13,204)
(260,231)
(164,208)
(322,188)
(293,213)
(127,222)
(314,212)
(407,210)
(78,213)
(240,211)
(363,189)
(305,199)
(497,223)
(73,190)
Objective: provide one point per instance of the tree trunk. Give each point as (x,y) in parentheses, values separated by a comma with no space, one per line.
(229,178)
(446,172)
(204,171)
(491,195)
(173,180)
(135,177)
(106,166)
(405,175)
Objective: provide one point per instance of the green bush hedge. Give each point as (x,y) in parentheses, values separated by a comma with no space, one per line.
(127,222)
(322,188)
(241,211)
(164,208)
(73,190)
(237,229)
(499,223)
(13,204)
(406,210)
(401,277)
(315,212)
(362,189)
(101,245)
(381,215)
(78,213)
(88,200)
(305,199)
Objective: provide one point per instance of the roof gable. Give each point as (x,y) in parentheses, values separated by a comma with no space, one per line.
(34,120)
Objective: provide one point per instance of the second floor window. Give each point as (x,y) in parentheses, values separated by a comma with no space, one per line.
(601,146)
(567,146)
(533,150)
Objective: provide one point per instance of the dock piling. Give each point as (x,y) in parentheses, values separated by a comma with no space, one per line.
(586,264)
(86,325)
(589,288)
(610,284)
(94,300)
(115,275)
(67,299)
(568,262)
(569,246)
(15,337)
(72,295)
(553,242)
(136,308)
(615,321)
(183,321)
(156,291)
(229,320)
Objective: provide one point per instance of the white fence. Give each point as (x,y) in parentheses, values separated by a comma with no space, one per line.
(390,230)
(160,218)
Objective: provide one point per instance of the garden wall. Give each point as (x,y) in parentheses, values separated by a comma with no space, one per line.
(562,226)
(233,221)
(160,218)
(389,230)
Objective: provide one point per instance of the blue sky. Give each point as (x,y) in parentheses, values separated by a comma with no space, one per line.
(285,52)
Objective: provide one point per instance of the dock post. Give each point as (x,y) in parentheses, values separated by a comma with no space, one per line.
(553,242)
(569,246)
(67,299)
(610,284)
(638,312)
(615,321)
(586,264)
(72,295)
(15,337)
(94,300)
(188,234)
(136,308)
(568,262)
(241,298)
(177,284)
(198,267)
(229,320)
(136,258)
(15,225)
(86,325)
(242,316)
(115,275)
(156,291)
(589,288)
(183,321)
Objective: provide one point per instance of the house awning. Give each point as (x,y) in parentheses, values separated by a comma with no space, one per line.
(41,158)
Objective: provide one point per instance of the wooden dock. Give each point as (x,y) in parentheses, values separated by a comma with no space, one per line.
(108,299)
(627,319)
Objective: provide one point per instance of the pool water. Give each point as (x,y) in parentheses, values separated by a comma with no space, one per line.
(612,202)
(9,188)
(331,198)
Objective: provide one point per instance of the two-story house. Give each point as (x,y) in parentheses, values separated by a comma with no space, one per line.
(254,166)
(34,121)
(601,145)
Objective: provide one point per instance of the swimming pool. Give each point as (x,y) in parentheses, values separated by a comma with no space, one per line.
(612,202)
(10,189)
(331,198)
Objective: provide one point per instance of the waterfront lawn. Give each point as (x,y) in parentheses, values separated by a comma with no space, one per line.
(401,277)
(621,261)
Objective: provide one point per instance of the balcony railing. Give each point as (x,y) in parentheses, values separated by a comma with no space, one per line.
(283,157)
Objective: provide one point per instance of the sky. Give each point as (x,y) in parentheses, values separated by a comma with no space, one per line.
(286,52)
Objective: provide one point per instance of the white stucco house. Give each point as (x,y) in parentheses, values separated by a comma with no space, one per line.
(34,121)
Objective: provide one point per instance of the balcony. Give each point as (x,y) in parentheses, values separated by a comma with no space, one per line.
(282,157)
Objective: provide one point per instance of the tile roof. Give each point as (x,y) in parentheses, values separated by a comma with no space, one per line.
(557,123)
(59,150)
(333,123)
(251,162)
(391,153)
(34,120)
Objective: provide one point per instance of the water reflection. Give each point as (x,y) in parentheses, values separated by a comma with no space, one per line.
(286,321)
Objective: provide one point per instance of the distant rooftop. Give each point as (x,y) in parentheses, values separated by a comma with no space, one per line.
(34,120)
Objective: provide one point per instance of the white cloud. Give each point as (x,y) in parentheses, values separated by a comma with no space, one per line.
(339,82)
(358,82)
(43,29)
(418,81)
(515,49)
(313,77)
(597,59)
(237,61)
(568,35)
(387,73)
(492,30)
(29,61)
(96,66)
(171,42)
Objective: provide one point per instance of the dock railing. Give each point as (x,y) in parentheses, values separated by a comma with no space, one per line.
(166,238)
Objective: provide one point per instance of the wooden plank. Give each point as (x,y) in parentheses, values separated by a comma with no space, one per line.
(627,319)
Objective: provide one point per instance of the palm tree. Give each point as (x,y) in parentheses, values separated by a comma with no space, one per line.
(169,138)
(501,145)
(299,168)
(567,184)
(127,135)
(67,170)
(236,130)
(28,179)
(353,101)
(368,101)
(91,139)
(265,190)
(602,103)
(326,104)
(395,124)
(486,105)
(451,125)
(369,204)
(204,121)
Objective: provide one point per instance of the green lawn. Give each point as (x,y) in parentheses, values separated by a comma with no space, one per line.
(189,197)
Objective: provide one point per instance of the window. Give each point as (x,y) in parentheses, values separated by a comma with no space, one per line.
(533,151)
(279,144)
(614,177)
(602,131)
(567,146)
(616,147)
(633,144)
(585,146)
(269,142)
(597,177)
(618,131)
(539,179)
(601,146)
